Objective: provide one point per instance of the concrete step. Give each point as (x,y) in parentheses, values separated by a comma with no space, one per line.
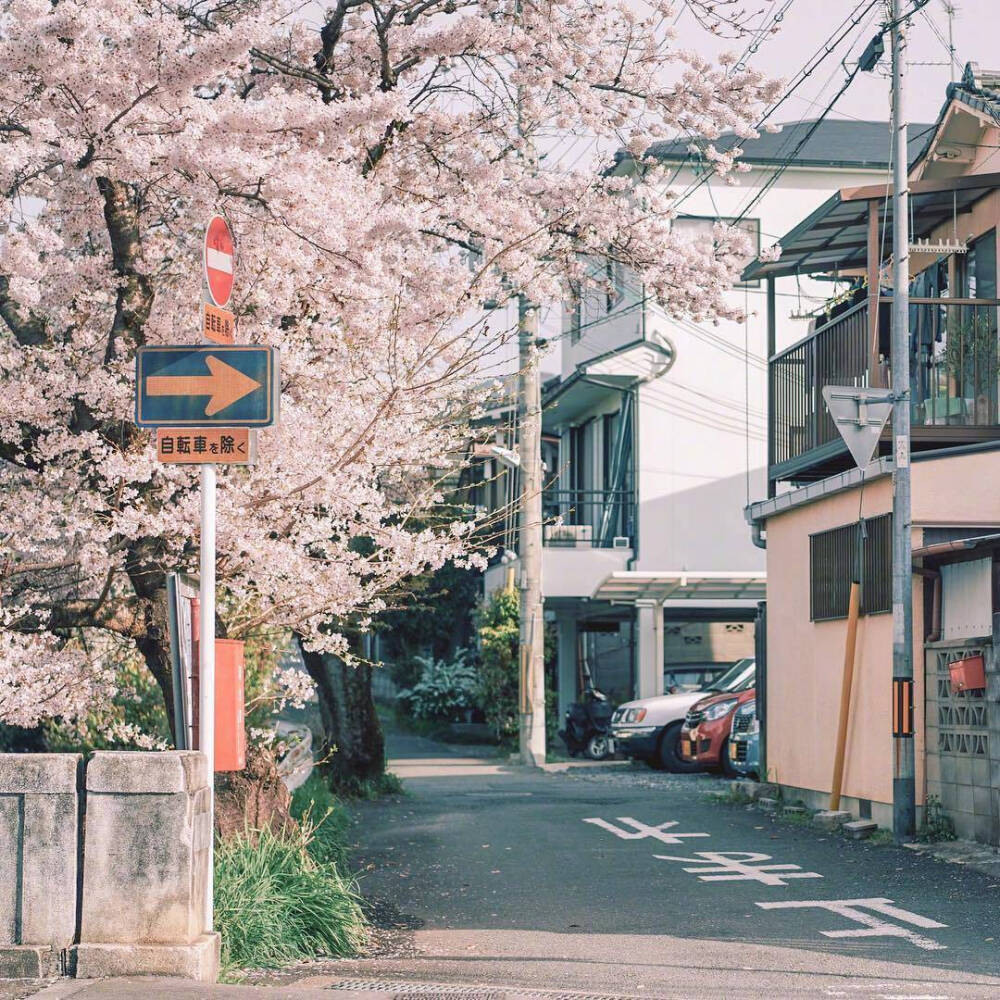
(832,820)
(860,829)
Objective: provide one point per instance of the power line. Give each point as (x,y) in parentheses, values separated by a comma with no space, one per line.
(811,65)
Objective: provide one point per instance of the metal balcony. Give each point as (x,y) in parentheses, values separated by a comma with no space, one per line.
(954,376)
(589,519)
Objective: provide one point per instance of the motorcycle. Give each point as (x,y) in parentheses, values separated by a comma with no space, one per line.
(588,726)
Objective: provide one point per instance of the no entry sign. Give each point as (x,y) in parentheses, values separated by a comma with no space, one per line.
(219,257)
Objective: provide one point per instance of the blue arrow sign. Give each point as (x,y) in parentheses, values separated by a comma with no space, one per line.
(206,386)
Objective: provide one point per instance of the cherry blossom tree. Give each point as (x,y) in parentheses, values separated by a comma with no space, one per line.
(380,168)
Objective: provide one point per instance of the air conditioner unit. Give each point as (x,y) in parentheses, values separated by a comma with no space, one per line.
(568,534)
(621,542)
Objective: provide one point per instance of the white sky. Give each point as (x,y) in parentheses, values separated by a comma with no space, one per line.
(808,23)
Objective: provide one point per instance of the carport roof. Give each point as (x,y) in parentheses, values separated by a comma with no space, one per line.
(834,238)
(629,586)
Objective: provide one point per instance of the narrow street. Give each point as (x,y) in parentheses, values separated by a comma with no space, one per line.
(495,876)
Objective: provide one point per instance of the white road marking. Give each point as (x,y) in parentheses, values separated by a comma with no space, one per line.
(740,866)
(640,830)
(873,926)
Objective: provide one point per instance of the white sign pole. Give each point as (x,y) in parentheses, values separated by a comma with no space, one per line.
(206,647)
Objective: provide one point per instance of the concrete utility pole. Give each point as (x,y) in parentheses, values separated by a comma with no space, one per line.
(529,446)
(903,787)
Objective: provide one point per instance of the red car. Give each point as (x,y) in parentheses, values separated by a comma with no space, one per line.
(705,733)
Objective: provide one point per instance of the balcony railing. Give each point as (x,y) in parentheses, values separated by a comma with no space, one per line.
(589,518)
(954,376)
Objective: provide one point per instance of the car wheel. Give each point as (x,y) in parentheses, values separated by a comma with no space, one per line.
(668,753)
(727,765)
(598,747)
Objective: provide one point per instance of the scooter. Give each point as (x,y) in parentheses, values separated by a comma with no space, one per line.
(588,726)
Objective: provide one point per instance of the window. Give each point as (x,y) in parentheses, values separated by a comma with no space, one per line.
(575,312)
(615,278)
(831,566)
(979,268)
(698,225)
(609,438)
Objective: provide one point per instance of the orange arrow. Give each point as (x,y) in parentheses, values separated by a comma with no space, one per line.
(225,385)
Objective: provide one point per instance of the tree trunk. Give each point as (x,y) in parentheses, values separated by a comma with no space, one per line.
(253,799)
(353,746)
(154,645)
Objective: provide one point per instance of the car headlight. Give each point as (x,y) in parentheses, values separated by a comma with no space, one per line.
(634,715)
(747,708)
(719,710)
(754,728)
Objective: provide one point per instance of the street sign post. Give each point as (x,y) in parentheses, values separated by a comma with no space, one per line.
(860,414)
(205,401)
(221,446)
(201,386)
(218,326)
(220,254)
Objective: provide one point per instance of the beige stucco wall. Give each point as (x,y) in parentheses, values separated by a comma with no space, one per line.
(805,659)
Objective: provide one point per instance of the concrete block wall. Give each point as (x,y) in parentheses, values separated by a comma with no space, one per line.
(138,905)
(993,735)
(38,861)
(962,744)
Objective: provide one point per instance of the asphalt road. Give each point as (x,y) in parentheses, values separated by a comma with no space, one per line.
(496,876)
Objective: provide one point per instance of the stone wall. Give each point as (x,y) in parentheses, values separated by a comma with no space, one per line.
(139,907)
(38,861)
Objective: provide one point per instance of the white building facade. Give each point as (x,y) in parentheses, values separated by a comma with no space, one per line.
(655,432)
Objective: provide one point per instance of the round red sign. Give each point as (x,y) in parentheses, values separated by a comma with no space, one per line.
(219,258)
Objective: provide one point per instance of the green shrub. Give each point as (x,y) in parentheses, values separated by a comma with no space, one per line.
(275,904)
(937,824)
(497,689)
(445,690)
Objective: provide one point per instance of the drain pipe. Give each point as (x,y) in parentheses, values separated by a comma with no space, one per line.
(757,535)
(934,575)
(936,609)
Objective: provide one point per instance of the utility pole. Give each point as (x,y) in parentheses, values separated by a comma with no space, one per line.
(531,644)
(953,70)
(532,631)
(903,786)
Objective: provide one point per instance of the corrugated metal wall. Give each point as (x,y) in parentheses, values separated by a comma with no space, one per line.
(967,599)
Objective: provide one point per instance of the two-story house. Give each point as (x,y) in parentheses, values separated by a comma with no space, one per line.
(655,432)
(815,498)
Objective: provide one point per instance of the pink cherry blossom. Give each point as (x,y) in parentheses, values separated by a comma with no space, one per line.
(382,179)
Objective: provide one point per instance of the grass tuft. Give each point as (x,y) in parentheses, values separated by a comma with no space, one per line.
(326,818)
(734,795)
(275,903)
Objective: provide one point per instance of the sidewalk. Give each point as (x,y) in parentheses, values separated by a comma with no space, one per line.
(183,989)
(321,988)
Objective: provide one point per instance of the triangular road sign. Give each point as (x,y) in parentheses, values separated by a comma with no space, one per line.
(860,415)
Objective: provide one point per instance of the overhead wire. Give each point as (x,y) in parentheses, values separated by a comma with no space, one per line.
(672,404)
